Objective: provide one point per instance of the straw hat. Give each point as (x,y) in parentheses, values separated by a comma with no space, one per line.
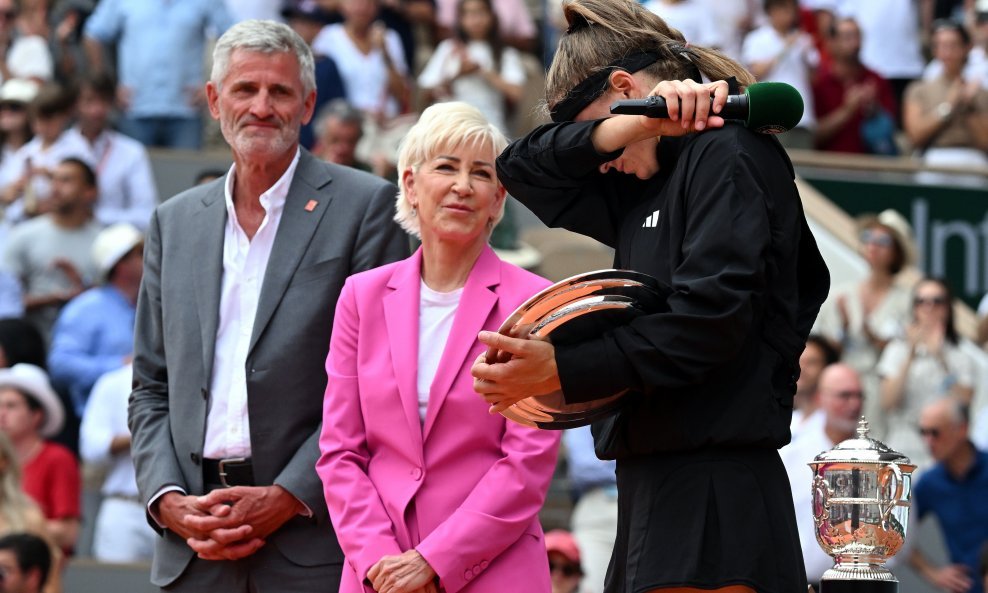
(898,227)
(33,382)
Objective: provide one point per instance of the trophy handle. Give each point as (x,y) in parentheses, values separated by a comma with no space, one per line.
(890,479)
(821,500)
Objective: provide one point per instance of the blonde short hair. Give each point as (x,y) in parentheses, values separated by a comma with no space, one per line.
(442,127)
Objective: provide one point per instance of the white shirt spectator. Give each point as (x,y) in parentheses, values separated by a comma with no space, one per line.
(365,76)
(104,419)
(29,57)
(693,19)
(15,167)
(121,530)
(976,67)
(127,191)
(244,264)
(472,88)
(890,39)
(793,68)
(795,457)
(513,17)
(733,19)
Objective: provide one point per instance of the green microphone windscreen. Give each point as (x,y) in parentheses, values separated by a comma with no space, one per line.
(773,107)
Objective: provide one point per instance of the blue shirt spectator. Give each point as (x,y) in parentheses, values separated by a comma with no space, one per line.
(959,505)
(586,471)
(93,335)
(160,48)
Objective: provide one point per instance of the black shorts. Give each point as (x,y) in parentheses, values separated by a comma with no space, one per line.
(705,519)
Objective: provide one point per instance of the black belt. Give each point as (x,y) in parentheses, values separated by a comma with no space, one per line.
(236,471)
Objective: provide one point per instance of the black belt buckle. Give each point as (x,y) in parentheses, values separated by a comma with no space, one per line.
(238,469)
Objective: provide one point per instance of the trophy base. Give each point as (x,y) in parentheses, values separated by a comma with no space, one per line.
(858,586)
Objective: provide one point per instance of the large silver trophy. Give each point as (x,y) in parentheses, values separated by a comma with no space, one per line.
(573,310)
(861,498)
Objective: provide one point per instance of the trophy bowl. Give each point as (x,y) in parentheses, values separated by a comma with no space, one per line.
(861,498)
(570,311)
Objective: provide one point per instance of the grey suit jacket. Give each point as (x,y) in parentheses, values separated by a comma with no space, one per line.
(350,229)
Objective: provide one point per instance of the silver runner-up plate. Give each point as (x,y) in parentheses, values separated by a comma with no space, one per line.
(574,310)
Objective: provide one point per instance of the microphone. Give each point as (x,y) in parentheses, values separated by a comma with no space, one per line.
(765,107)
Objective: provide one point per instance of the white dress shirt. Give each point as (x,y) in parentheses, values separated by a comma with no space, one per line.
(244,264)
(127,192)
(105,418)
(796,457)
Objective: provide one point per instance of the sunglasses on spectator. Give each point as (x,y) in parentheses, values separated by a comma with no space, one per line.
(933,433)
(8,14)
(568,570)
(869,237)
(15,107)
(937,301)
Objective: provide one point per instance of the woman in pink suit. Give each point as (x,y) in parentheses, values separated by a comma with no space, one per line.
(427,490)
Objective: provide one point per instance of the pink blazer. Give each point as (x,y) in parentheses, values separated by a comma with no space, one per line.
(465,488)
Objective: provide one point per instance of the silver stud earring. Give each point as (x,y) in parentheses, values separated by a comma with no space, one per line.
(415,211)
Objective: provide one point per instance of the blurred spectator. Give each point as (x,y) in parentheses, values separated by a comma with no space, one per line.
(122,533)
(126,185)
(594,519)
(20,514)
(26,563)
(20,342)
(50,254)
(339,128)
(862,317)
(24,50)
(734,19)
(370,58)
(890,40)
(953,490)
(976,66)
(160,48)
(840,399)
(947,118)
(780,51)
(564,561)
(475,66)
(25,177)
(16,96)
(692,18)
(11,294)
(94,333)
(926,365)
(855,106)
(306,18)
(818,354)
(65,36)
(31,412)
(514,21)
(15,131)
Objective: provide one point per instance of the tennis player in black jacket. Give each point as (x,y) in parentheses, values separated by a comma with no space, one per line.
(711,210)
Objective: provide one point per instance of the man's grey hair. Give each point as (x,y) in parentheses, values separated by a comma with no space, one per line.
(341,110)
(265,37)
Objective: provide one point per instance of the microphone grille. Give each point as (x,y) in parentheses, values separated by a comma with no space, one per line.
(773,107)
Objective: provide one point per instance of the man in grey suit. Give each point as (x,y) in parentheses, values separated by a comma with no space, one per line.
(233,325)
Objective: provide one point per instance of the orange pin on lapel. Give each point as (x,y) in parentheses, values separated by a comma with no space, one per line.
(311,205)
